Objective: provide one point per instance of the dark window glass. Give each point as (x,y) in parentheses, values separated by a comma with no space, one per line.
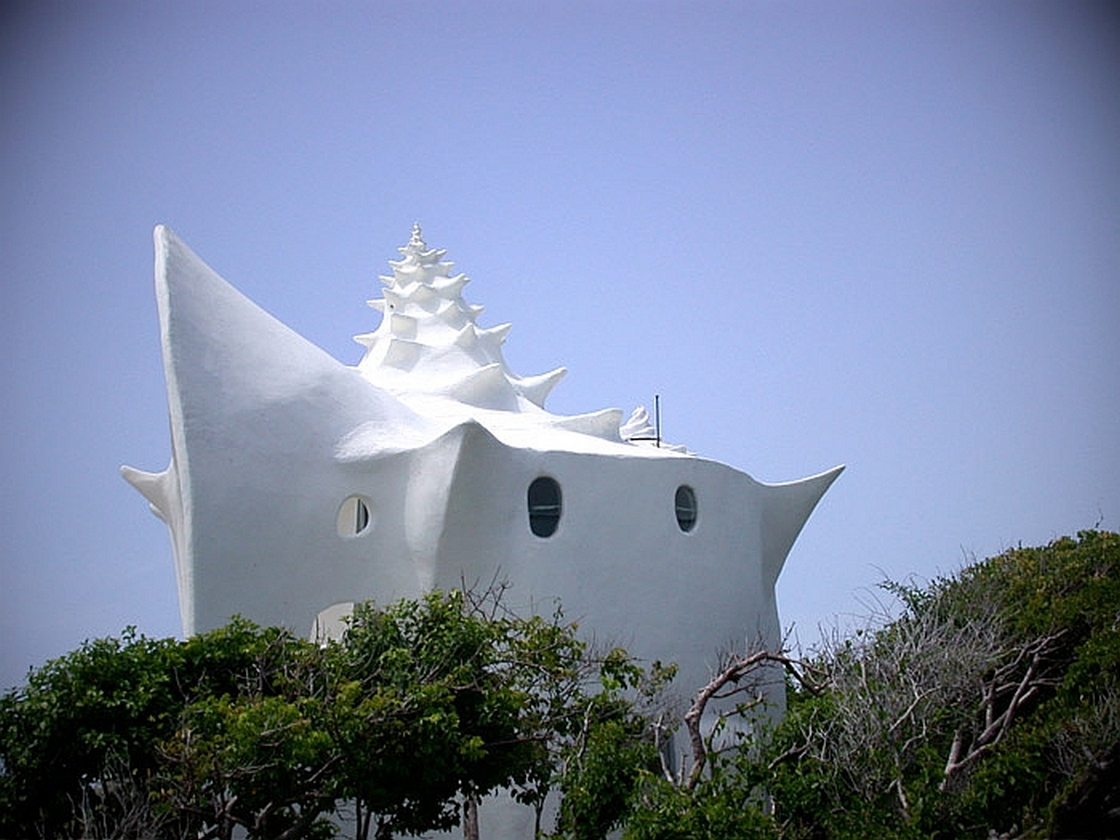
(686,508)
(544,506)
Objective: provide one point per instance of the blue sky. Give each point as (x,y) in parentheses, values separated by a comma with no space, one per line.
(880,234)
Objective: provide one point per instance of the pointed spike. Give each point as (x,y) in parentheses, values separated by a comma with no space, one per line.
(486,387)
(467,337)
(367,340)
(451,286)
(377,305)
(786,508)
(152,486)
(536,388)
(497,335)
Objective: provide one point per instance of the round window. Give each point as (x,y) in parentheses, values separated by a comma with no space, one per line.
(354,517)
(544,506)
(686,508)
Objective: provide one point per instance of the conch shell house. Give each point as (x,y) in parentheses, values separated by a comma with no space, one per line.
(299,485)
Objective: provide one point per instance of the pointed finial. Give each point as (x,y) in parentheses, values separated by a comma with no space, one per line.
(416,242)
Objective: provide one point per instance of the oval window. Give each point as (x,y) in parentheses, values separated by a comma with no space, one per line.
(544,506)
(354,517)
(686,508)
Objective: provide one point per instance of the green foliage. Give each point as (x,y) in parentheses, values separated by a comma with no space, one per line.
(727,801)
(176,724)
(420,706)
(600,774)
(711,811)
(432,706)
(991,704)
(983,707)
(72,714)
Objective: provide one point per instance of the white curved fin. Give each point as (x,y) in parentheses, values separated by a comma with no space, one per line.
(250,400)
(786,508)
(602,424)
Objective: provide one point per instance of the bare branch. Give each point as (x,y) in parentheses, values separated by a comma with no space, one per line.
(1001,683)
(734,672)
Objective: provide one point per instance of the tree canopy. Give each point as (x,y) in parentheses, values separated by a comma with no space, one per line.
(420,707)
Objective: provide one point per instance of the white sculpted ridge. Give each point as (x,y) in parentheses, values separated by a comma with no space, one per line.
(298,484)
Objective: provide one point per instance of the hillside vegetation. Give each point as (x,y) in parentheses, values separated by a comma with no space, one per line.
(989,707)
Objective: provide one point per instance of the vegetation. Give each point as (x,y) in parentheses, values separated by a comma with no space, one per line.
(421,708)
(988,706)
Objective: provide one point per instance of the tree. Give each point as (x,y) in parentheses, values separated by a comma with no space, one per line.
(259,755)
(126,734)
(418,711)
(427,710)
(504,701)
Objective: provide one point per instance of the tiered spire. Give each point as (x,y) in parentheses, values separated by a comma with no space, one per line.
(430,333)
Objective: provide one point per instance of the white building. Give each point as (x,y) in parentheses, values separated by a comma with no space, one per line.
(298,484)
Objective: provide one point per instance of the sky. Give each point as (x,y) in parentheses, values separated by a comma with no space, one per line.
(878,234)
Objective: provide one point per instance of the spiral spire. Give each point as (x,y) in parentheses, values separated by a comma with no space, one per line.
(429,340)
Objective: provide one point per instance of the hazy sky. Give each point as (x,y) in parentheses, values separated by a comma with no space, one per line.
(879,234)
